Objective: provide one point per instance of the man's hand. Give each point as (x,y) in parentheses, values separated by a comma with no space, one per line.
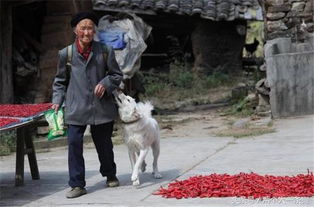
(99,90)
(55,107)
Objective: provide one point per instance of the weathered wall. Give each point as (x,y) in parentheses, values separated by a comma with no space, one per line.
(217,46)
(289,53)
(290,75)
(284,17)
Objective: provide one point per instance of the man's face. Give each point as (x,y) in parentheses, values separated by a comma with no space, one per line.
(85,31)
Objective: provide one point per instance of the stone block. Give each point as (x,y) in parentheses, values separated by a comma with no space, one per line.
(274,2)
(309,7)
(298,6)
(276,26)
(282,8)
(275,16)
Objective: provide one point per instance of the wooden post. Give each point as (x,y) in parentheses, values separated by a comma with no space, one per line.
(19,165)
(24,145)
(6,73)
(30,150)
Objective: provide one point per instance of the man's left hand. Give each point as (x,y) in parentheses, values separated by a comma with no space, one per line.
(99,90)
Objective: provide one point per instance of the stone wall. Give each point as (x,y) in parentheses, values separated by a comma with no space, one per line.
(284,18)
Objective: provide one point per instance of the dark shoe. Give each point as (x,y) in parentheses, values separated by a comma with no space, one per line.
(112,181)
(76,192)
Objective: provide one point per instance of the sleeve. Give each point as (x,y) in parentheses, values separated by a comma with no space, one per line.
(114,75)
(60,82)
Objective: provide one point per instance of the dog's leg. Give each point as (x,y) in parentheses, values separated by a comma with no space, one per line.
(156,149)
(137,165)
(132,157)
(143,166)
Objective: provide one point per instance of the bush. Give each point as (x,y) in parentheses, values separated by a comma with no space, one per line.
(216,79)
(184,79)
(182,84)
(153,84)
(7,142)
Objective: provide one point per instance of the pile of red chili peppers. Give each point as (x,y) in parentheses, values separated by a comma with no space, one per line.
(8,112)
(6,121)
(23,110)
(249,185)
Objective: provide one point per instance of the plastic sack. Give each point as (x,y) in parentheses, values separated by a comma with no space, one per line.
(113,38)
(56,124)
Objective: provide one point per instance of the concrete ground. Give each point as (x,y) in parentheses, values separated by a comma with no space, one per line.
(288,151)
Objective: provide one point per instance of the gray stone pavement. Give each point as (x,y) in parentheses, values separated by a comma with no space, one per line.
(288,151)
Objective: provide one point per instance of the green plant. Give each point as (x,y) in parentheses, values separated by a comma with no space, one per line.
(184,79)
(240,108)
(7,142)
(245,132)
(153,84)
(216,79)
(181,87)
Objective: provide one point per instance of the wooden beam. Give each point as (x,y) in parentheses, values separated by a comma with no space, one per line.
(6,73)
(19,164)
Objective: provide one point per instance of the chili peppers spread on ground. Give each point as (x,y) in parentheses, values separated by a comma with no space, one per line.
(23,110)
(6,121)
(249,185)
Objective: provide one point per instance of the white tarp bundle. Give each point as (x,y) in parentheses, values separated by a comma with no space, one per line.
(135,32)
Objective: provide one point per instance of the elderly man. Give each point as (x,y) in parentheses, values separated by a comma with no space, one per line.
(86,88)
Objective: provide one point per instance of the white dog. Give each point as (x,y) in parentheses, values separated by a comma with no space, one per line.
(141,131)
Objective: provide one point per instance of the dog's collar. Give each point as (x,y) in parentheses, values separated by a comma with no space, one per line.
(131,122)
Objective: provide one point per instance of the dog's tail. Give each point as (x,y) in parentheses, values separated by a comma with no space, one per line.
(145,108)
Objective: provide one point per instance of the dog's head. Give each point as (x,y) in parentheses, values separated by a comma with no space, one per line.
(127,107)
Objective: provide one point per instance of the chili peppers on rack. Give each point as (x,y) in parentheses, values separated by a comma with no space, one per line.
(249,185)
(23,110)
(6,121)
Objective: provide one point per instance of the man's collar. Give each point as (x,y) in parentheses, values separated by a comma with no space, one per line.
(80,49)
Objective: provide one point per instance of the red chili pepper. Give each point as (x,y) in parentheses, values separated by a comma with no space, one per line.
(23,110)
(249,185)
(6,121)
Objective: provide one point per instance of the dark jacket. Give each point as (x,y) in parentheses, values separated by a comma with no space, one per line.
(82,107)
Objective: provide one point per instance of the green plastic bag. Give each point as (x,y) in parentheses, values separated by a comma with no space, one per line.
(56,124)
